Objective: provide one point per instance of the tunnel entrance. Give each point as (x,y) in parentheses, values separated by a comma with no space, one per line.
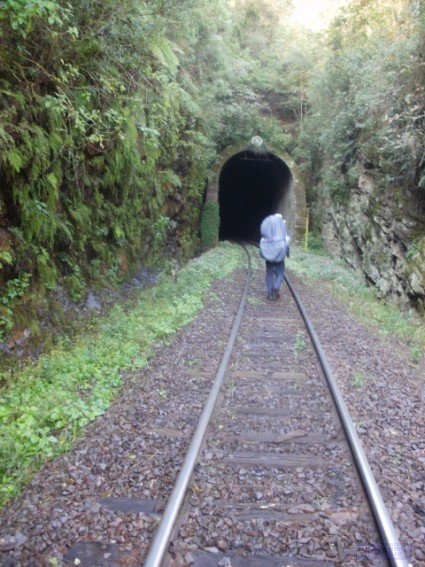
(252,185)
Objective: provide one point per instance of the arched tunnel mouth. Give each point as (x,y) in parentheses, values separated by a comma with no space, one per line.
(252,185)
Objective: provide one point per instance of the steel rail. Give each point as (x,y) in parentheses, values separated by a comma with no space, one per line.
(161,540)
(390,539)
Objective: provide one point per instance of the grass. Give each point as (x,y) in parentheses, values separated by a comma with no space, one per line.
(254,301)
(416,353)
(299,343)
(45,405)
(338,279)
(359,379)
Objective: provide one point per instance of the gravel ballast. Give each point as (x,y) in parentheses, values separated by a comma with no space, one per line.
(136,448)
(388,409)
(133,451)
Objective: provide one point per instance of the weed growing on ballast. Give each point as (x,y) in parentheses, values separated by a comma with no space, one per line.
(359,379)
(416,353)
(299,344)
(45,405)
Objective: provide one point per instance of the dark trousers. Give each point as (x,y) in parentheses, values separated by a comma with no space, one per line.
(274,275)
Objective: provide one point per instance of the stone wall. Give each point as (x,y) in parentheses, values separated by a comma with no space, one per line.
(382,235)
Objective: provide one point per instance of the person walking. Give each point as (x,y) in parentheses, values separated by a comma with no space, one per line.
(274,247)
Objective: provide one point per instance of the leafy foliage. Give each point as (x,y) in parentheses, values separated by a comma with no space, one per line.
(13,291)
(367,101)
(110,118)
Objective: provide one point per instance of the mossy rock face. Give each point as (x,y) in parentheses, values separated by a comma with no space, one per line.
(416,269)
(6,257)
(4,240)
(381,235)
(210,224)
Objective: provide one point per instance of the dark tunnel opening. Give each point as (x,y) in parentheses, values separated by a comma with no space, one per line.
(251,186)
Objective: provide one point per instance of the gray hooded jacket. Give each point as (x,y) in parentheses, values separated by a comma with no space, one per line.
(274,243)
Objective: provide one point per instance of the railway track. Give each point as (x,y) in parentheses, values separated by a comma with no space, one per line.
(274,475)
(269,478)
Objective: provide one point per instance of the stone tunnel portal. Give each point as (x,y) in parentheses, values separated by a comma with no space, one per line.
(252,185)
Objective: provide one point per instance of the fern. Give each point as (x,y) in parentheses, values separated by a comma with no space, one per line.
(15,159)
(7,138)
(163,51)
(171,178)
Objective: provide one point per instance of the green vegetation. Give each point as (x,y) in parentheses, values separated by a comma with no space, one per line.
(359,380)
(299,343)
(315,243)
(45,406)
(366,101)
(210,224)
(12,292)
(416,353)
(111,116)
(337,278)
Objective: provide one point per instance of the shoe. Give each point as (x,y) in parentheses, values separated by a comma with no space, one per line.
(276,294)
(270,297)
